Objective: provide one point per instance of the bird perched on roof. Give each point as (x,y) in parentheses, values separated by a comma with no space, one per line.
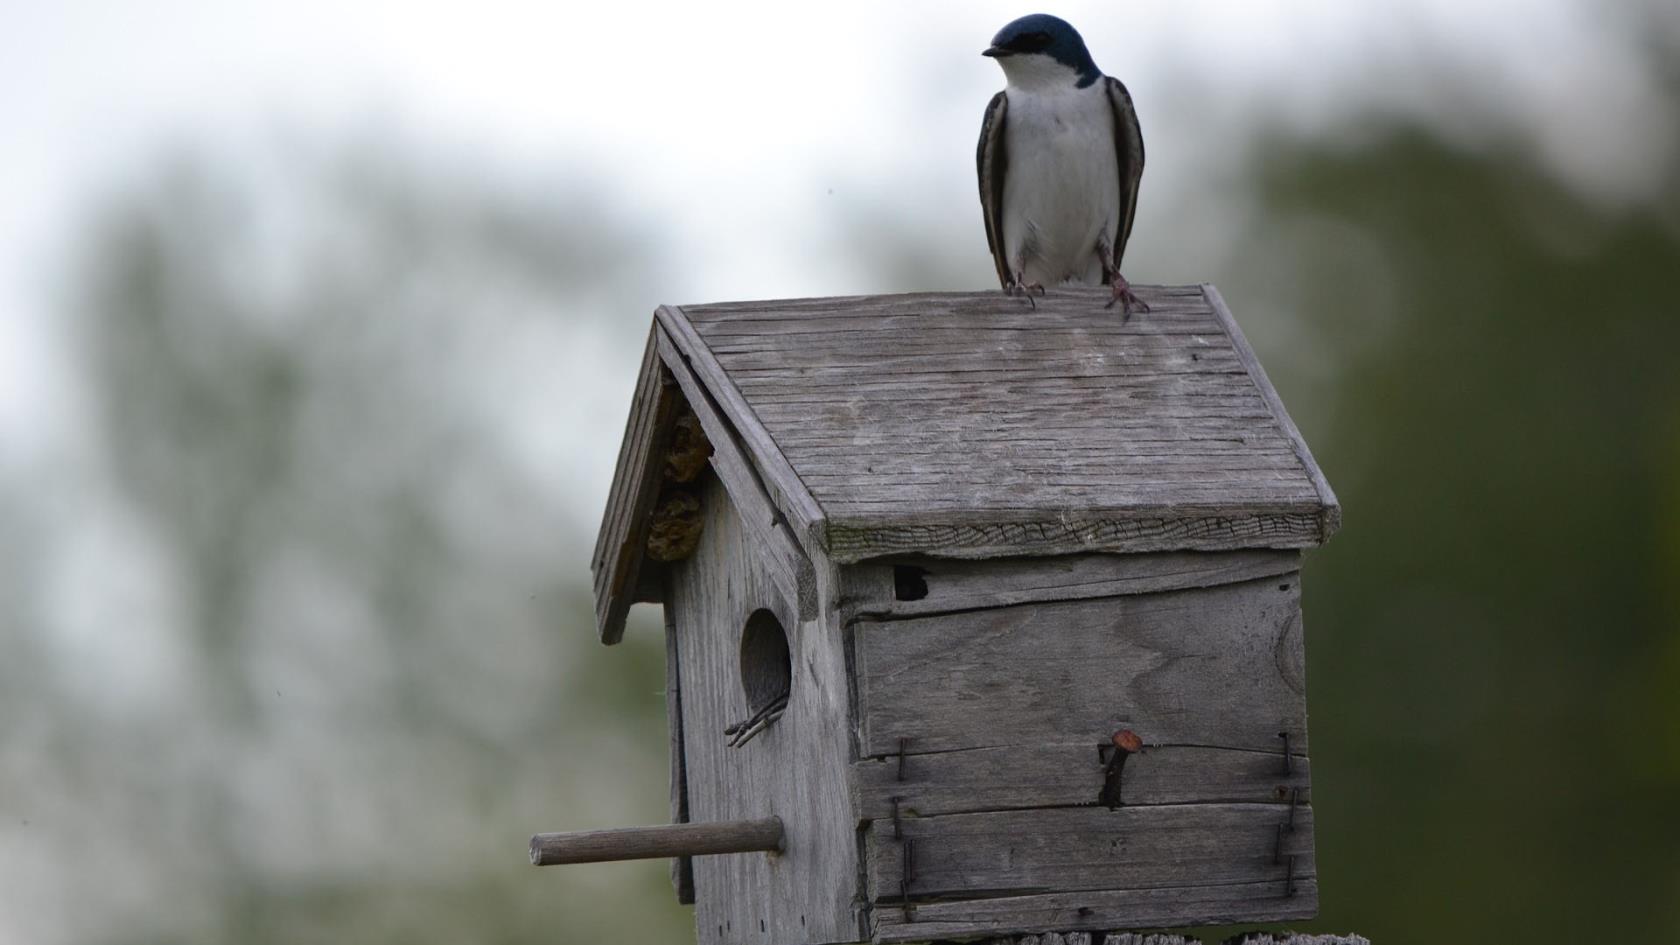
(1060,158)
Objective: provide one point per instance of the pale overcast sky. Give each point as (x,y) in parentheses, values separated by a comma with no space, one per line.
(731,125)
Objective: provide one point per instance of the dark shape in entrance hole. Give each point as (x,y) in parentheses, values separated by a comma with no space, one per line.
(909,582)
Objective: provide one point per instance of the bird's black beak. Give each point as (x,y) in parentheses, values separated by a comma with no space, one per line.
(997,52)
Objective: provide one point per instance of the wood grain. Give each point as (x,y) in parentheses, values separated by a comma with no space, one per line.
(952,532)
(619,547)
(1219,666)
(970,425)
(682,867)
(1332,508)
(785,559)
(955,584)
(1068,775)
(789,494)
(1107,909)
(795,769)
(1016,853)
(650,843)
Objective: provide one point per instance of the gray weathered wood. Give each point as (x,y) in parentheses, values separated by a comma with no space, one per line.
(787,561)
(1168,938)
(1186,847)
(1332,508)
(783,484)
(1292,938)
(618,558)
(682,867)
(879,531)
(1251,902)
(652,843)
(1219,666)
(971,413)
(795,769)
(1067,775)
(951,584)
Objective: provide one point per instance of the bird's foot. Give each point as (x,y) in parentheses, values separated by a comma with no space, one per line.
(1129,301)
(1024,290)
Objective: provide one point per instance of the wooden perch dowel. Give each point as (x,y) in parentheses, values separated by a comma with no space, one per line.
(652,843)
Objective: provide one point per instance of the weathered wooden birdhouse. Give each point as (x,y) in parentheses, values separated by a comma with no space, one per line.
(982,617)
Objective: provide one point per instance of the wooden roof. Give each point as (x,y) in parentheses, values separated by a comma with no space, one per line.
(973,425)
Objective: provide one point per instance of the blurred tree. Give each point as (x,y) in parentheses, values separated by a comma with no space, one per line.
(313,376)
(1488,362)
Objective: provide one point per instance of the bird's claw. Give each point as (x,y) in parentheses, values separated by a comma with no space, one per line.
(1129,301)
(1025,290)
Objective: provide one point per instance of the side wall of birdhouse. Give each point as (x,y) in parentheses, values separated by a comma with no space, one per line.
(737,645)
(996,701)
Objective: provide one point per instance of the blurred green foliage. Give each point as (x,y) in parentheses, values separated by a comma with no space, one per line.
(1494,637)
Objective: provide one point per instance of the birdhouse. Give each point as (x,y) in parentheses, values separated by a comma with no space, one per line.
(983,616)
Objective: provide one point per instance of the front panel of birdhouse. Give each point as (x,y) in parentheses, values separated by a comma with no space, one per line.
(989,699)
(739,649)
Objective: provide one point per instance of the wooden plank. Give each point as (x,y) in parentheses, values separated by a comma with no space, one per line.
(962,387)
(1056,437)
(1065,494)
(1047,431)
(618,557)
(657,842)
(1142,439)
(1159,452)
(1069,775)
(820,343)
(682,867)
(1219,666)
(886,360)
(1332,514)
(1060,300)
(796,769)
(788,493)
(1107,909)
(1190,416)
(884,531)
(947,585)
(1167,480)
(787,561)
(1042,468)
(1019,853)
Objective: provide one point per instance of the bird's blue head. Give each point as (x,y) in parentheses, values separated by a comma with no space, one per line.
(1027,47)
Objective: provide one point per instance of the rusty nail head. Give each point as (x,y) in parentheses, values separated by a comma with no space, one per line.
(1127,741)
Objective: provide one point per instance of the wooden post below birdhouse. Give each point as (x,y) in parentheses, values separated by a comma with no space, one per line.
(995,609)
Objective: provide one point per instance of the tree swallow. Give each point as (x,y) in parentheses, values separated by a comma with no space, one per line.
(1060,158)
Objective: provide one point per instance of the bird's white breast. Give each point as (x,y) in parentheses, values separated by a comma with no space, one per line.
(1061,194)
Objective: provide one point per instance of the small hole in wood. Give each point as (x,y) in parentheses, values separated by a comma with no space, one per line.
(909,582)
(766,668)
(761,925)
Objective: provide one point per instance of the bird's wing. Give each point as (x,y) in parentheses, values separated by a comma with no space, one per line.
(1128,150)
(992,161)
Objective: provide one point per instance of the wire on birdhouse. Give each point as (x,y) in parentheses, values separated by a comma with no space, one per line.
(749,728)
